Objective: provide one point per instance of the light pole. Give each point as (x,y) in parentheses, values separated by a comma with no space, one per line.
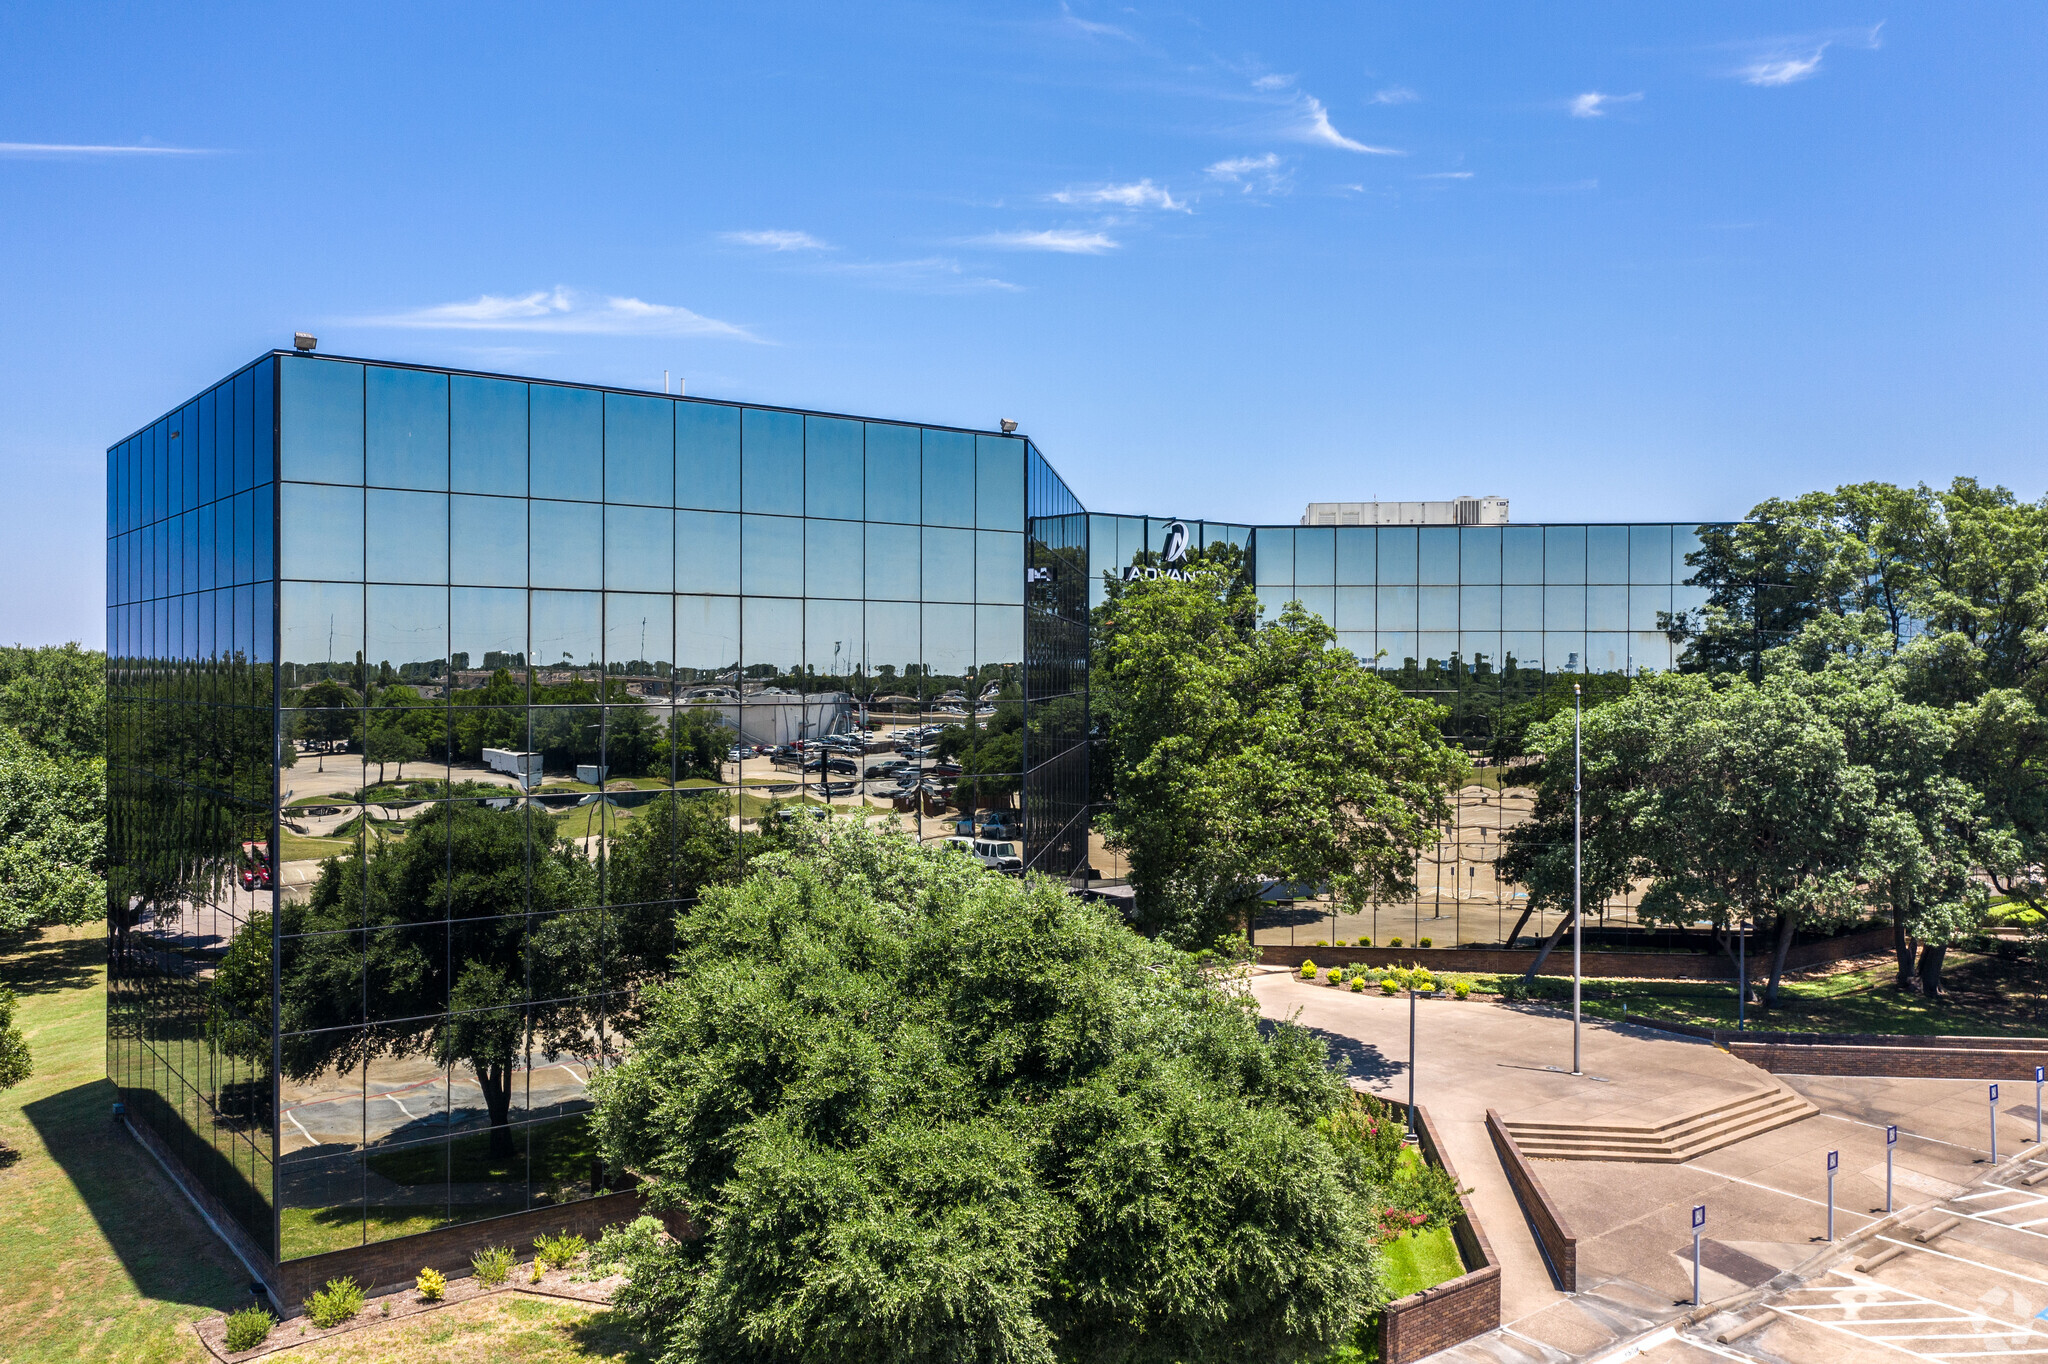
(1742,976)
(1578,917)
(1411,1058)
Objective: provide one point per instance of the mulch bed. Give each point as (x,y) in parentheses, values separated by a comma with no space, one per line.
(573,1283)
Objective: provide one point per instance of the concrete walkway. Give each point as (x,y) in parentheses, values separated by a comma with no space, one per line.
(1766,1196)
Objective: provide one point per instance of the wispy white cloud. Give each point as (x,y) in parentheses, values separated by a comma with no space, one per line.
(24,149)
(561,310)
(1395,94)
(1446,175)
(1141,194)
(1312,125)
(775,239)
(1783,70)
(1593,104)
(1252,174)
(1064,241)
(1788,60)
(1272,82)
(1091,27)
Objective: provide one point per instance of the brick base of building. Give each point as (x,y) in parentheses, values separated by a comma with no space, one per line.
(385,1265)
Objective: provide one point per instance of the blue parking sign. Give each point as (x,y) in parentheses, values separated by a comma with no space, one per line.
(1699,1216)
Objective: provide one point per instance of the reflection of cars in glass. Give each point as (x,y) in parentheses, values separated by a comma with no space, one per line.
(999,824)
(255,871)
(734,755)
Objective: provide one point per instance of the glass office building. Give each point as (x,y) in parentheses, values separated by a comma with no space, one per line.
(432,694)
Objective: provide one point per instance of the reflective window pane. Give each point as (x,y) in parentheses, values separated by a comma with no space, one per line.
(1356,609)
(323,421)
(999,483)
(707,642)
(948,565)
(1649,554)
(566,547)
(639,449)
(1357,556)
(1436,608)
(832,558)
(772,461)
(487,536)
(1564,608)
(567,639)
(1521,608)
(638,555)
(567,426)
(707,456)
(895,649)
(487,436)
(1564,554)
(1606,608)
(487,632)
(998,567)
(406,537)
(772,556)
(322,535)
(406,633)
(833,471)
(1273,554)
(405,428)
(893,561)
(707,552)
(1479,608)
(1607,554)
(1315,556)
(1646,605)
(948,478)
(1396,608)
(1437,553)
(1521,554)
(893,464)
(1397,555)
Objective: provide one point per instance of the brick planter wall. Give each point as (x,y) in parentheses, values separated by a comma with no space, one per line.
(390,1264)
(2015,1061)
(1624,965)
(1553,1233)
(1458,1309)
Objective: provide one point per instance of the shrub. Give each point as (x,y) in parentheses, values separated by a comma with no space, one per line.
(336,1303)
(1365,942)
(557,1251)
(1334,974)
(1308,970)
(1322,942)
(1387,985)
(618,1244)
(1422,942)
(493,1265)
(1393,942)
(1357,984)
(432,1284)
(539,1268)
(248,1328)
(1463,989)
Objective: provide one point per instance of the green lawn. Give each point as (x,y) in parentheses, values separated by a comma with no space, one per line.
(100,1259)
(1987,998)
(1416,1260)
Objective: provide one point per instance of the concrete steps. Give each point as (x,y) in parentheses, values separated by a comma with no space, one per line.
(1675,1139)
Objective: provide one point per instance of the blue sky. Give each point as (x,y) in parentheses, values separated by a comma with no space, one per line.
(1617,261)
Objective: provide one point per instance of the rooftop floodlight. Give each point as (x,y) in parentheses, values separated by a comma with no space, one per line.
(1008,426)
(304,340)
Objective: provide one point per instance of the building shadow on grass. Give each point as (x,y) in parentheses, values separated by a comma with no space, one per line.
(149,1225)
(48,964)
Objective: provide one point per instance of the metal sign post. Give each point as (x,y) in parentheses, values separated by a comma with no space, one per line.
(1994,1124)
(1412,1127)
(1699,1220)
(1834,1160)
(1742,976)
(1891,1144)
(2040,1077)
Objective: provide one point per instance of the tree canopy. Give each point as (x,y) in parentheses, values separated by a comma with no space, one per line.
(53,787)
(1240,750)
(919,1112)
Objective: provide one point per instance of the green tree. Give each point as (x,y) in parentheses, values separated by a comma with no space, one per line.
(55,698)
(1242,750)
(1735,801)
(923,1113)
(16,1064)
(53,837)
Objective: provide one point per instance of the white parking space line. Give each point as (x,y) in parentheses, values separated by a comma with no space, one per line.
(1879,1127)
(1965,1260)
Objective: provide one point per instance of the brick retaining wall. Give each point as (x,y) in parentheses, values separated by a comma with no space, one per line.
(1458,1309)
(1923,1061)
(1625,965)
(1553,1233)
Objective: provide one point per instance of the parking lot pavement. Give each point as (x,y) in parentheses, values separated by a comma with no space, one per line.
(1981,1283)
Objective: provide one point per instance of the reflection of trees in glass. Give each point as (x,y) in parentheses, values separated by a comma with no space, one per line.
(515,970)
(400,730)
(990,751)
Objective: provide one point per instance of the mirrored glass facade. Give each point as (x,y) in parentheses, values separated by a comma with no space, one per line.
(436,694)
(433,694)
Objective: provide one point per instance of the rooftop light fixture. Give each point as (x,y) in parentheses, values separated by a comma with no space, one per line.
(304,340)
(1009,427)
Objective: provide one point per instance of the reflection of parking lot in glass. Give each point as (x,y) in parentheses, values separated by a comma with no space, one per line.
(403,1103)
